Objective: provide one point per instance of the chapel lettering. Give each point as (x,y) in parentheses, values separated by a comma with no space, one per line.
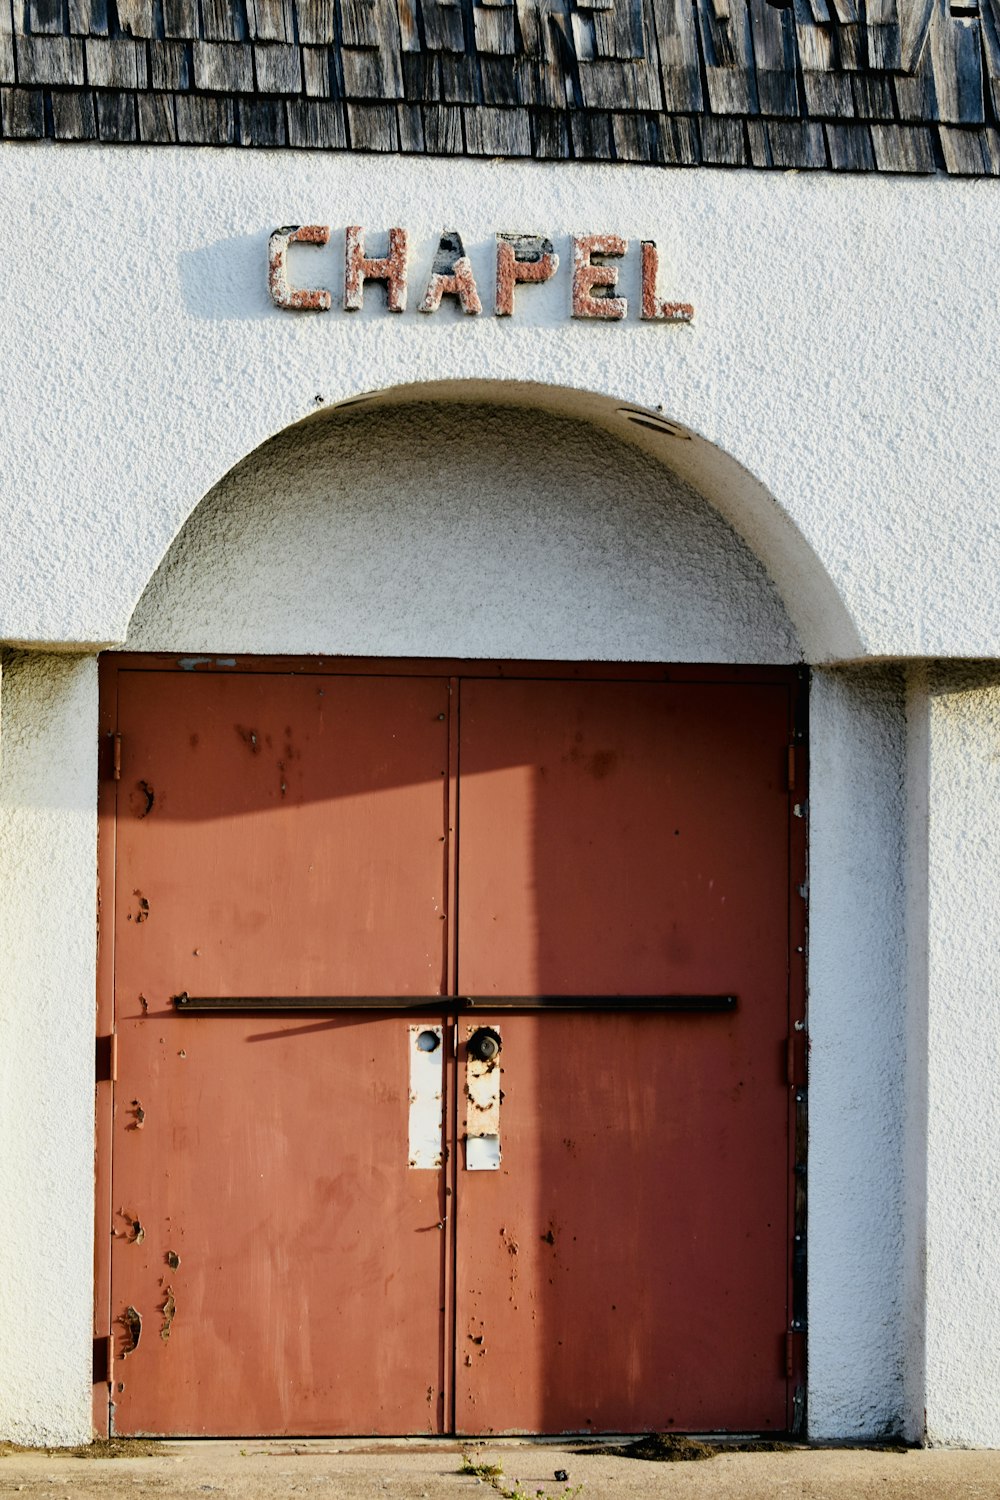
(521,260)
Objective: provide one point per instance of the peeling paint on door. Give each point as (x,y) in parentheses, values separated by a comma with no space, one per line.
(426,1097)
(482,1099)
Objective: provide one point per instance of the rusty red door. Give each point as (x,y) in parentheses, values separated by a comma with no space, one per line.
(276,1267)
(587,1230)
(625,1266)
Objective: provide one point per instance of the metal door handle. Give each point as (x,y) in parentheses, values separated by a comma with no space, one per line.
(610,1003)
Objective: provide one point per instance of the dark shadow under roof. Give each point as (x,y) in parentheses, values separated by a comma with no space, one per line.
(842,85)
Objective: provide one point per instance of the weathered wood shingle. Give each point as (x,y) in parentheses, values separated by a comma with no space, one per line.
(116,116)
(838,85)
(119,64)
(49,59)
(22,114)
(223,68)
(170,65)
(8,70)
(157,124)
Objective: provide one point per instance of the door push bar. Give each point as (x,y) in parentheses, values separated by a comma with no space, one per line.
(190,1004)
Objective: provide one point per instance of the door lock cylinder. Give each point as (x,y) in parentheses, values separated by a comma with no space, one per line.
(484,1044)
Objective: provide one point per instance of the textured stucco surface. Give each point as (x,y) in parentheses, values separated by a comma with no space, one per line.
(48,839)
(144,360)
(858,1344)
(962,1247)
(833,395)
(451,531)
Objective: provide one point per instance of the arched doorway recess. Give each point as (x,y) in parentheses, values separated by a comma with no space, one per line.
(592,442)
(483,534)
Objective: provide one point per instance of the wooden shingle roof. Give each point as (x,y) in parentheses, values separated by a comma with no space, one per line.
(845,85)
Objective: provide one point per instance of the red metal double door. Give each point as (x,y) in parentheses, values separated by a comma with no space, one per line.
(347,1219)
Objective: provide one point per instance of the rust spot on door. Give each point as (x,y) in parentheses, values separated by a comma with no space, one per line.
(172,1259)
(134,1234)
(168,1310)
(131,1321)
(599,764)
(249,738)
(141,914)
(602,762)
(142,799)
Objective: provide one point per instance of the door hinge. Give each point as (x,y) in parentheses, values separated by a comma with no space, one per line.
(792,1348)
(798,1410)
(795,1059)
(104,1354)
(791,767)
(107,1058)
(111,757)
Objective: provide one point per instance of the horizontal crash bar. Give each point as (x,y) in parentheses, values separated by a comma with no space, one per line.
(238,1003)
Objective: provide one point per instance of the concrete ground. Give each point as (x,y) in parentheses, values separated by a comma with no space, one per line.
(412,1470)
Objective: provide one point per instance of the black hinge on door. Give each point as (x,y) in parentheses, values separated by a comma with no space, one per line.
(103,1360)
(798,1411)
(796,1048)
(106,1058)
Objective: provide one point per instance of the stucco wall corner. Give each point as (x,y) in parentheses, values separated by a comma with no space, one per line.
(857,998)
(963,1056)
(48,832)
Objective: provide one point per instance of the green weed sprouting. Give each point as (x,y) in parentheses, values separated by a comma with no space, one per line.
(493,1475)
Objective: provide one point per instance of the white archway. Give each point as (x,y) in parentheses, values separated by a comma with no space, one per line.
(822,624)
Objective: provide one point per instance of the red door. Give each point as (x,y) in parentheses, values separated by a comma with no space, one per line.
(329,1215)
(275,1262)
(625,1268)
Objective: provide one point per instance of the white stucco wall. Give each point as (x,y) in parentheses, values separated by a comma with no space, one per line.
(431,531)
(956,838)
(831,395)
(859,1339)
(48,842)
(844,331)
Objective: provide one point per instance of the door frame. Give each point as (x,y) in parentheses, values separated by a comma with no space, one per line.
(796,679)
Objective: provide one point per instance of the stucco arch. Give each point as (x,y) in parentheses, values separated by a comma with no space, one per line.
(856,951)
(819,618)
